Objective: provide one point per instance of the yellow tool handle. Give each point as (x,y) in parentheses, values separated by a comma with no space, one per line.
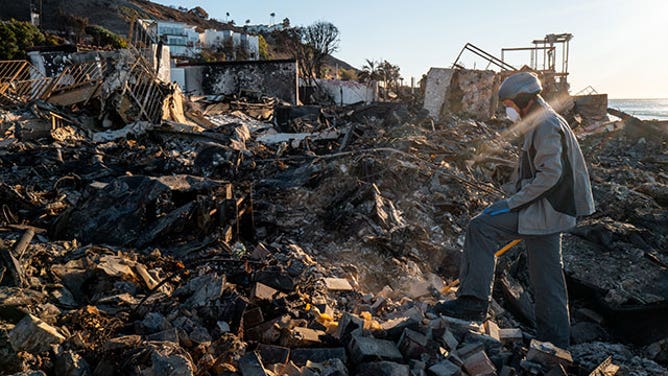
(497,254)
(507,247)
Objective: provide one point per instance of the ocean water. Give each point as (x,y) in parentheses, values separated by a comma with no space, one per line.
(645,109)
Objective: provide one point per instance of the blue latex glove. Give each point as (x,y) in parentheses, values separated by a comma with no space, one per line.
(497,208)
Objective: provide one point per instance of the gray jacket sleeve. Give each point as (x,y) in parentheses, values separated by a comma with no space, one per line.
(547,162)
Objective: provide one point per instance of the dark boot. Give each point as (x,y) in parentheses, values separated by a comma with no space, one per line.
(465,308)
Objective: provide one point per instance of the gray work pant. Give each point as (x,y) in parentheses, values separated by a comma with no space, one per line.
(485,235)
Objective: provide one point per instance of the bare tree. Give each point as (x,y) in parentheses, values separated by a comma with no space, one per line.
(322,39)
(309,46)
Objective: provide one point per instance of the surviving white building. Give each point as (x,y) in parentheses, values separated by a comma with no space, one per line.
(182,39)
(185,41)
(250,43)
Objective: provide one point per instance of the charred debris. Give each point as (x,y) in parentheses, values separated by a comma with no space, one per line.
(145,232)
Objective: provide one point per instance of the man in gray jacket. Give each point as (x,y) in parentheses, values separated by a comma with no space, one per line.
(551,190)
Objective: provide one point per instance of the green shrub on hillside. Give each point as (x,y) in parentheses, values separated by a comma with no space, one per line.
(16,36)
(263,48)
(105,38)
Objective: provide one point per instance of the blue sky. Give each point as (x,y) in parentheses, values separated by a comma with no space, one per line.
(620,47)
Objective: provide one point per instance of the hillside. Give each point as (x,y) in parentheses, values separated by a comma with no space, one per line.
(116,16)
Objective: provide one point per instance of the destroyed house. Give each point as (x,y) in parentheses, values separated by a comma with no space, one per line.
(274,78)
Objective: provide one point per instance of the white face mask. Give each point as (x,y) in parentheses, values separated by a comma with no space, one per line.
(513,115)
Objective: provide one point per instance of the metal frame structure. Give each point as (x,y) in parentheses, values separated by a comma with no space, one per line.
(546,47)
(491,59)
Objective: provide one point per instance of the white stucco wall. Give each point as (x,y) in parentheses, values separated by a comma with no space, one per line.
(349,92)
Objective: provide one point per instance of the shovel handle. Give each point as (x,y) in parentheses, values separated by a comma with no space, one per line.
(507,247)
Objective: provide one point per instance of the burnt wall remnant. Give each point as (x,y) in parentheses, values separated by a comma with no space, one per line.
(277,78)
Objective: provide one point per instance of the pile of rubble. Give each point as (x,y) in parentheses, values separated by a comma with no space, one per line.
(247,236)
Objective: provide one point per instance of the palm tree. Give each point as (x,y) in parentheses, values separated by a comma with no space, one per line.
(369,72)
(389,73)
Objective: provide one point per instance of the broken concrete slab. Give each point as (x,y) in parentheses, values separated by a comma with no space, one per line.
(462,92)
(338,284)
(203,289)
(33,335)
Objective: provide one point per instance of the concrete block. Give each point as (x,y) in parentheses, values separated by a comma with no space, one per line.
(267,332)
(382,368)
(300,356)
(253,317)
(277,279)
(469,349)
(412,344)
(263,292)
(491,345)
(479,364)
(510,335)
(34,335)
(364,349)
(449,340)
(445,368)
(273,354)
(548,355)
(347,325)
(305,337)
(492,330)
(394,328)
